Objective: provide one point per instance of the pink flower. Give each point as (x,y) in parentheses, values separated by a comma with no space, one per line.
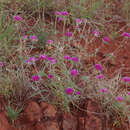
(58,13)
(50,41)
(64,13)
(31,60)
(98,67)
(60,19)
(52,60)
(85,20)
(69,91)
(50,76)
(120,98)
(106,39)
(34,38)
(128,93)
(43,57)
(96,33)
(67,57)
(76,59)
(104,90)
(35,78)
(78,21)
(69,34)
(1,64)
(126,79)
(100,76)
(74,72)
(78,93)
(18,18)
(125,34)
(25,37)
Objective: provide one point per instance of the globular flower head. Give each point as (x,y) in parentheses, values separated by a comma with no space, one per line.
(1,64)
(128,93)
(78,21)
(100,76)
(85,20)
(69,34)
(106,39)
(76,59)
(104,90)
(35,78)
(34,38)
(67,57)
(69,91)
(58,13)
(120,98)
(31,60)
(52,60)
(50,76)
(96,33)
(64,13)
(126,79)
(125,34)
(98,67)
(60,19)
(25,37)
(74,72)
(43,57)
(18,18)
(78,93)
(50,41)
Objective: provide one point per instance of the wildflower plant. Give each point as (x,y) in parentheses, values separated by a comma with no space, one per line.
(49,62)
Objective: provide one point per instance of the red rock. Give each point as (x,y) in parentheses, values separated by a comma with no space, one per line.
(93,123)
(33,112)
(40,126)
(48,109)
(69,122)
(51,125)
(4,124)
(81,122)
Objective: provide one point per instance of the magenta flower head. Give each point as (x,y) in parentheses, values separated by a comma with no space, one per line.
(69,91)
(50,41)
(106,39)
(78,93)
(60,19)
(52,60)
(50,76)
(98,67)
(76,59)
(25,37)
(85,20)
(43,57)
(64,13)
(104,90)
(67,57)
(74,72)
(96,33)
(120,98)
(125,34)
(126,79)
(34,38)
(35,78)
(69,34)
(128,93)
(31,60)
(100,76)
(18,18)
(58,13)
(78,21)
(1,64)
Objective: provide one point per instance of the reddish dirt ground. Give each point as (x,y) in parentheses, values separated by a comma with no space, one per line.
(43,116)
